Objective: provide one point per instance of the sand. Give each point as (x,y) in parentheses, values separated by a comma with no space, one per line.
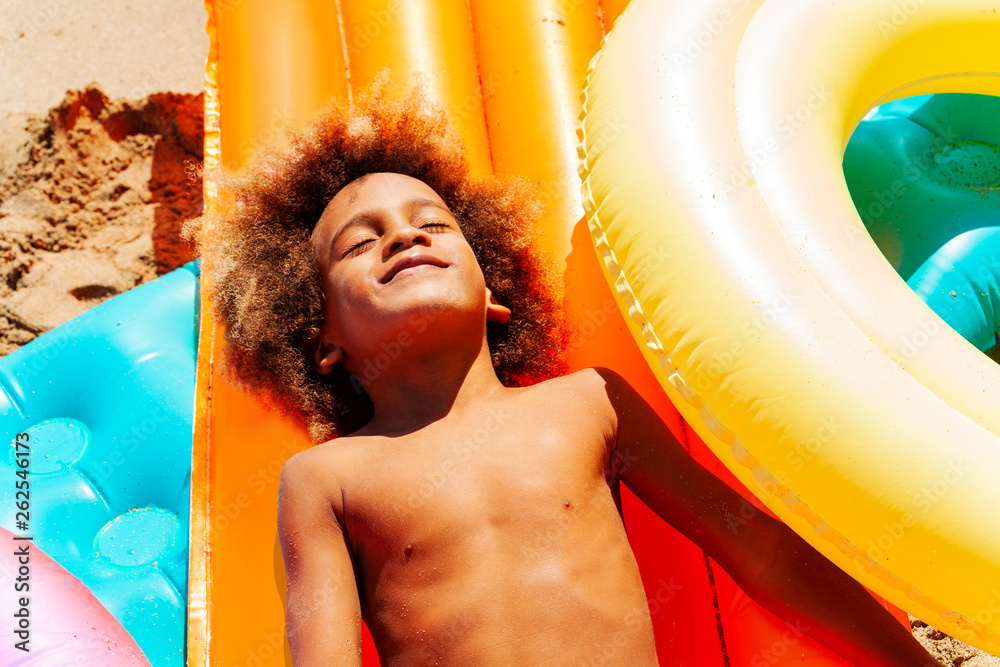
(130,48)
(92,190)
(92,197)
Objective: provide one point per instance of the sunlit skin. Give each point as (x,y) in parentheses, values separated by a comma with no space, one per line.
(470,523)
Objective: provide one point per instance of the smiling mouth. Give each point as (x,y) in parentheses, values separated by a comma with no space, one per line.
(410,263)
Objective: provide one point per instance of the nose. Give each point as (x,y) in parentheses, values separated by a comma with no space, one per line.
(402,236)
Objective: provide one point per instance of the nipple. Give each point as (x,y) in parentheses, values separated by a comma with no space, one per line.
(407,552)
(567,504)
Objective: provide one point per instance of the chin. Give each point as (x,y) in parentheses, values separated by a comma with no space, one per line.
(440,313)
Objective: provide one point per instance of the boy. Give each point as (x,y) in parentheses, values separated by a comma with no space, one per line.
(351,277)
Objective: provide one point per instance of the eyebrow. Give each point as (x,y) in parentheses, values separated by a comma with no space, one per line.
(366,217)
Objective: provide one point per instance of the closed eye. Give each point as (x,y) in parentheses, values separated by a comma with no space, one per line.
(358,247)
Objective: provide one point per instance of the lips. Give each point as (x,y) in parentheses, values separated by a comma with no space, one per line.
(410,262)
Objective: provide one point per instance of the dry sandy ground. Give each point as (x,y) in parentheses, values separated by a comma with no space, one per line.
(131,48)
(94,182)
(92,198)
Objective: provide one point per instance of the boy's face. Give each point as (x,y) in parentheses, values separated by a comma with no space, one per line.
(392,258)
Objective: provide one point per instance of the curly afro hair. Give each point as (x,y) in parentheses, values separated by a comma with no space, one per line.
(264,275)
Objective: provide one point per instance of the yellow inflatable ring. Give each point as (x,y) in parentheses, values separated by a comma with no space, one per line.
(711,149)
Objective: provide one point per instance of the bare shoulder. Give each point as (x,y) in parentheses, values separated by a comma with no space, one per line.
(304,485)
(588,383)
(588,391)
(314,474)
(309,464)
(326,458)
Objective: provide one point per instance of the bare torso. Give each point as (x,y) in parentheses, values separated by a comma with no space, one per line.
(494,538)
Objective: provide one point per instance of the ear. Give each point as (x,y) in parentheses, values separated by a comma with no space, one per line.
(326,356)
(495,312)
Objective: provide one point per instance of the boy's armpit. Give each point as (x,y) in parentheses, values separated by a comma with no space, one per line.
(323,611)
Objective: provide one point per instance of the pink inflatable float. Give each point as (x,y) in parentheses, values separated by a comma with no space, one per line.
(51,618)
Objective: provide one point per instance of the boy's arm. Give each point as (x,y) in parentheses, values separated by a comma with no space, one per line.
(323,612)
(766,559)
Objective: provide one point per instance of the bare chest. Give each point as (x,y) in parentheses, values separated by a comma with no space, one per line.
(503,472)
(472,527)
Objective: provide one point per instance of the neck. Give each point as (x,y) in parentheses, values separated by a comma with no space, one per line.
(420,388)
